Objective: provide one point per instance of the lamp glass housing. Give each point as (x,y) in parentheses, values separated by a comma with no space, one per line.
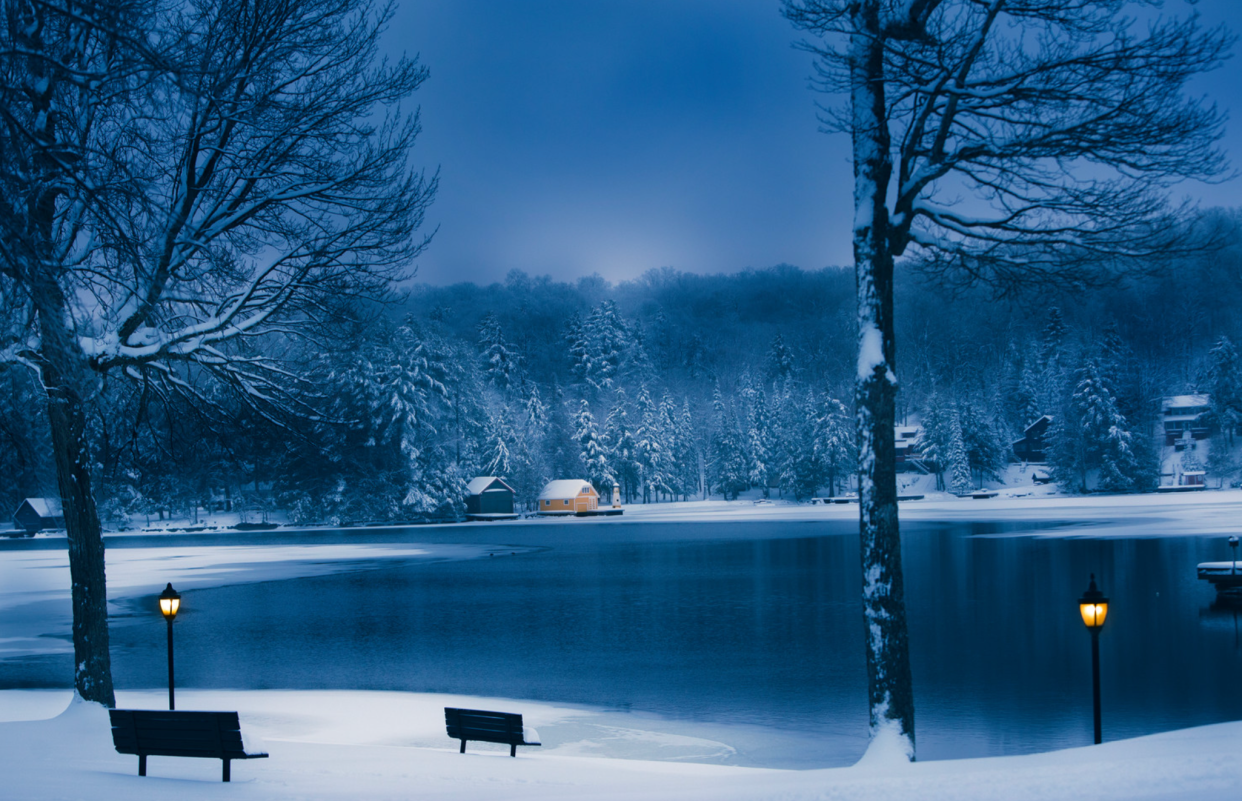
(1093,614)
(170,602)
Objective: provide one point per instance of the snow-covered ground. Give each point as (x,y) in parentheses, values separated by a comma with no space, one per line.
(337,745)
(1151,515)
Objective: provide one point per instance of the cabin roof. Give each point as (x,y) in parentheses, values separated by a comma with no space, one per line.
(45,507)
(1185,401)
(478,484)
(565,488)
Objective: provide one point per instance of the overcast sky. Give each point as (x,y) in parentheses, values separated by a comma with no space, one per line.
(576,136)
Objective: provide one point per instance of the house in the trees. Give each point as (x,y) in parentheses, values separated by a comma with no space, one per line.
(1184,418)
(36,514)
(1033,447)
(568,497)
(906,442)
(489,497)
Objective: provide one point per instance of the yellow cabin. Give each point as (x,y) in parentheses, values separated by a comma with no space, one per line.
(567,497)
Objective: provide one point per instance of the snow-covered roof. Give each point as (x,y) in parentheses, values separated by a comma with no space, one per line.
(1038,420)
(565,488)
(477,485)
(1183,401)
(907,432)
(46,507)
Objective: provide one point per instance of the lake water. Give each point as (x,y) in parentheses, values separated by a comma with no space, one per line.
(737,624)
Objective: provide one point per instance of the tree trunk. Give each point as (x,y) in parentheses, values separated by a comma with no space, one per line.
(891,697)
(92,663)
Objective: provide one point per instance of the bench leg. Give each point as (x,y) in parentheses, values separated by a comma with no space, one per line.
(226,770)
(463,747)
(512,750)
(142,764)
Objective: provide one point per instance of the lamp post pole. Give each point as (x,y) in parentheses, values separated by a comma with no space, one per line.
(1233,546)
(1095,681)
(1093,607)
(170,604)
(172,698)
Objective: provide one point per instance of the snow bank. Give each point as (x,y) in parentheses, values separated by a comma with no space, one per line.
(336,745)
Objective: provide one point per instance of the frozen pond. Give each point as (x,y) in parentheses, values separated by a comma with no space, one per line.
(724,624)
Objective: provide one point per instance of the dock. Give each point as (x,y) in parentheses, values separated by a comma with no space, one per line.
(610,512)
(1226,577)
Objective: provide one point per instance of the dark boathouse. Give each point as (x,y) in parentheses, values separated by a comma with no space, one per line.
(488,496)
(36,514)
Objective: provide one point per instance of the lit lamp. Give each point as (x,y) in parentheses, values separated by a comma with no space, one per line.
(1094,609)
(170,603)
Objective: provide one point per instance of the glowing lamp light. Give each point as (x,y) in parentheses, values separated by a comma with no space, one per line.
(170,602)
(1093,606)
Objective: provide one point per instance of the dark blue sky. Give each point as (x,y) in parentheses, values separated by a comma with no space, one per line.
(614,137)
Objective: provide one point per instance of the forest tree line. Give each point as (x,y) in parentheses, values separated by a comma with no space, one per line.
(671,386)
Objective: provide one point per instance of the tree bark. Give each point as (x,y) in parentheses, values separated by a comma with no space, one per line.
(92,663)
(891,697)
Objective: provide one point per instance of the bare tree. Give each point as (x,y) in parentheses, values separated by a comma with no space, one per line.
(1000,141)
(236,174)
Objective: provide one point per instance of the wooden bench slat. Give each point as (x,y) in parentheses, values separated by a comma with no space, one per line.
(210,735)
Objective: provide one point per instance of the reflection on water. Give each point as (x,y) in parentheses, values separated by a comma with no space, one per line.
(743,624)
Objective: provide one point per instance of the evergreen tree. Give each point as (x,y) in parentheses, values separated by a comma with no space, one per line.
(758,441)
(727,463)
(780,362)
(499,362)
(834,442)
(957,465)
(1094,435)
(621,448)
(592,451)
(1225,389)
(987,452)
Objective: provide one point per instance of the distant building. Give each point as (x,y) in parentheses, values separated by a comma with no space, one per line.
(1033,446)
(36,514)
(1184,418)
(906,441)
(567,497)
(488,495)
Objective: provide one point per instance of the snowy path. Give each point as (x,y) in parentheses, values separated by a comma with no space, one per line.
(335,745)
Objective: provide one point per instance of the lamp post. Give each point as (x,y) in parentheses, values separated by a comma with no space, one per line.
(1233,546)
(1094,608)
(170,602)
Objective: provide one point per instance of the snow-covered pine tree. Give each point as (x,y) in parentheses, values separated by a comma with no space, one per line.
(648,446)
(689,461)
(727,460)
(957,467)
(758,442)
(1225,390)
(1096,436)
(780,360)
(834,441)
(934,437)
(592,450)
(499,362)
(987,452)
(619,442)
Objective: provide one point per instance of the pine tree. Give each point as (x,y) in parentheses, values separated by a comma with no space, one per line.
(648,446)
(987,452)
(499,362)
(1225,388)
(728,460)
(758,441)
(592,451)
(780,361)
(1094,435)
(619,442)
(958,467)
(834,441)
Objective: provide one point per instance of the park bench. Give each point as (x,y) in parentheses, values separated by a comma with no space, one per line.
(488,727)
(209,735)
